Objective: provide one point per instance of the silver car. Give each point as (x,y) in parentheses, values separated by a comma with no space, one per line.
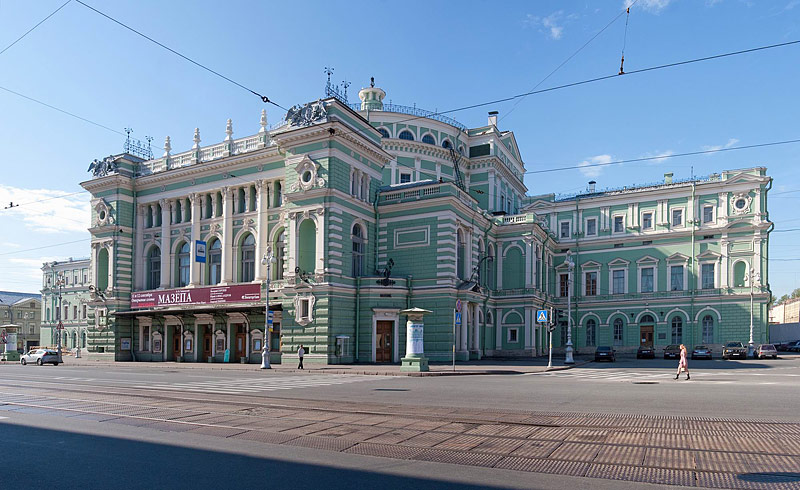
(40,356)
(765,350)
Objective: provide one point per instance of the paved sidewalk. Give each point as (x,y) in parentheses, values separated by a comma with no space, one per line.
(467,368)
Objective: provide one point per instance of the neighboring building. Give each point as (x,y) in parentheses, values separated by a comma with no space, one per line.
(74,309)
(786,312)
(22,310)
(371,209)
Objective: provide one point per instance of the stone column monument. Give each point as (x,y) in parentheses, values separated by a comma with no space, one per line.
(414,359)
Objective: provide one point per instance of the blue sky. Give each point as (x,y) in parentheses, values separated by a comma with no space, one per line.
(437,55)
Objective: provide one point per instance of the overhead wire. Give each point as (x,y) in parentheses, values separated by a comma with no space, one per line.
(34,27)
(264,98)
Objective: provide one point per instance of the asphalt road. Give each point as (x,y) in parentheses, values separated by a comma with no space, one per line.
(58,427)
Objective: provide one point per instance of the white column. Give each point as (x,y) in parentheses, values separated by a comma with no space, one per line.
(725,259)
(491,192)
(462,344)
(499,264)
(261,230)
(139,256)
(498,334)
(476,336)
(227,239)
(291,255)
(319,262)
(165,244)
(528,332)
(528,263)
(194,269)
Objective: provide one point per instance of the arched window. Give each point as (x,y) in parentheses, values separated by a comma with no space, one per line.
(708,329)
(365,187)
(209,205)
(278,195)
(647,319)
(214,263)
(307,246)
(492,268)
(83,339)
(358,251)
(354,184)
(618,331)
(461,149)
(677,330)
(218,200)
(384,132)
(183,265)
(102,269)
(154,268)
(446,144)
(280,250)
(591,331)
(406,135)
(428,139)
(460,256)
(241,199)
(248,259)
(178,211)
(739,274)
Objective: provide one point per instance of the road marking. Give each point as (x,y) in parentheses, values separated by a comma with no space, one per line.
(1,418)
(245,386)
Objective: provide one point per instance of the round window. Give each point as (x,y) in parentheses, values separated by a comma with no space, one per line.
(307,176)
(740,203)
(102,215)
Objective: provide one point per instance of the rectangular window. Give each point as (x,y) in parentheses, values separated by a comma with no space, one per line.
(563,285)
(707,276)
(647,221)
(405,178)
(591,227)
(75,312)
(647,279)
(513,335)
(619,224)
(564,229)
(304,309)
(66,313)
(590,333)
(591,283)
(618,281)
(677,217)
(708,214)
(618,332)
(676,278)
(145,338)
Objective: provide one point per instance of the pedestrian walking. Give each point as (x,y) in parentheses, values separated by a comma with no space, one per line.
(300,353)
(683,364)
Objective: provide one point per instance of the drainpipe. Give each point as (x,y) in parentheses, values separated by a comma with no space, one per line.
(693,279)
(358,312)
(377,225)
(410,292)
(766,269)
(576,270)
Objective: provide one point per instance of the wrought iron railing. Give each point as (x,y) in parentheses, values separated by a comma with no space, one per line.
(414,111)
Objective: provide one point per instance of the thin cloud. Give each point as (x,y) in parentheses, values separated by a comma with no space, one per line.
(67,214)
(551,25)
(729,144)
(658,156)
(654,6)
(588,170)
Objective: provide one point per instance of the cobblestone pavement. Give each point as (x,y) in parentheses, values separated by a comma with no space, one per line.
(686,451)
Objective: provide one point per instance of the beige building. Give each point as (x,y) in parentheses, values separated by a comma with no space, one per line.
(24,311)
(786,312)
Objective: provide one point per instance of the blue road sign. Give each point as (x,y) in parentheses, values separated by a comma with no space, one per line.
(458,318)
(200,251)
(541,316)
(270,316)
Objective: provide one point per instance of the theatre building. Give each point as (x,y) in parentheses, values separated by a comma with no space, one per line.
(368,209)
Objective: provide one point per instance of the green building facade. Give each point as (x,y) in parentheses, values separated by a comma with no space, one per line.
(369,209)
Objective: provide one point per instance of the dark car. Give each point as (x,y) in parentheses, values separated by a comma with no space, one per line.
(645,352)
(793,346)
(765,350)
(672,351)
(734,349)
(605,353)
(701,352)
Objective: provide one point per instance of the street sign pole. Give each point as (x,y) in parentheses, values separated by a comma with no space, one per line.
(454,339)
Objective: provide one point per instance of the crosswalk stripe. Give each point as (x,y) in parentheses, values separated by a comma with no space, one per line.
(239,386)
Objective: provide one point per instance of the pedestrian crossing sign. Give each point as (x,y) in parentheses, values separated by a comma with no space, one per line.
(541,316)
(458,318)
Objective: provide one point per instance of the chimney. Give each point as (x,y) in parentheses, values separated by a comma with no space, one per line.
(592,185)
(493,118)
(668,178)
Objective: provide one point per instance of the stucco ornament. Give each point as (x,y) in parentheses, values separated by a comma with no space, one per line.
(298,308)
(101,168)
(306,115)
(740,202)
(103,215)
(307,175)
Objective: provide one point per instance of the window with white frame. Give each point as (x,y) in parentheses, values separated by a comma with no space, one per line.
(591,332)
(618,281)
(405,177)
(563,285)
(647,221)
(676,278)
(619,224)
(677,217)
(513,335)
(708,214)
(591,227)
(358,251)
(647,275)
(707,276)
(428,139)
(591,283)
(677,330)
(565,231)
(618,331)
(708,329)
(145,338)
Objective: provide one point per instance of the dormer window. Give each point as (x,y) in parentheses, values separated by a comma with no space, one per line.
(406,135)
(428,139)
(384,132)
(446,144)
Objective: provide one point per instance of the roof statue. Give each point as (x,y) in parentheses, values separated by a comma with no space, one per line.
(102,168)
(307,114)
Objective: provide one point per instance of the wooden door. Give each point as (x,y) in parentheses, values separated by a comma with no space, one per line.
(646,335)
(383,341)
(176,344)
(206,346)
(241,346)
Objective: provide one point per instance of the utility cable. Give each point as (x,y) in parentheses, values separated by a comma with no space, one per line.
(624,42)
(34,27)
(47,199)
(264,98)
(663,157)
(45,246)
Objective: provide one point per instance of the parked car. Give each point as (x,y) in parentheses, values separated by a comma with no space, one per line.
(672,351)
(645,352)
(40,356)
(605,353)
(794,346)
(765,350)
(734,349)
(702,352)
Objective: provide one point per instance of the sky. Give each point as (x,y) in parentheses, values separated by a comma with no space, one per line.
(435,54)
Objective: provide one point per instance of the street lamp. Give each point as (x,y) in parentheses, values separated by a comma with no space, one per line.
(60,326)
(267,260)
(571,267)
(752,277)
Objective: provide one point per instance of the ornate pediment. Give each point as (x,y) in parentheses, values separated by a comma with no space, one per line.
(740,202)
(103,214)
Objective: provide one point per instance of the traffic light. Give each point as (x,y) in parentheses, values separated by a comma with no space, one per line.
(560,317)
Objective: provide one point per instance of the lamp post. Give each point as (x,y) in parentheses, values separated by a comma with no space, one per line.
(267,260)
(59,326)
(571,266)
(751,278)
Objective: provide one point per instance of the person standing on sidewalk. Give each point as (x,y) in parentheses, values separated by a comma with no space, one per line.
(300,353)
(683,364)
